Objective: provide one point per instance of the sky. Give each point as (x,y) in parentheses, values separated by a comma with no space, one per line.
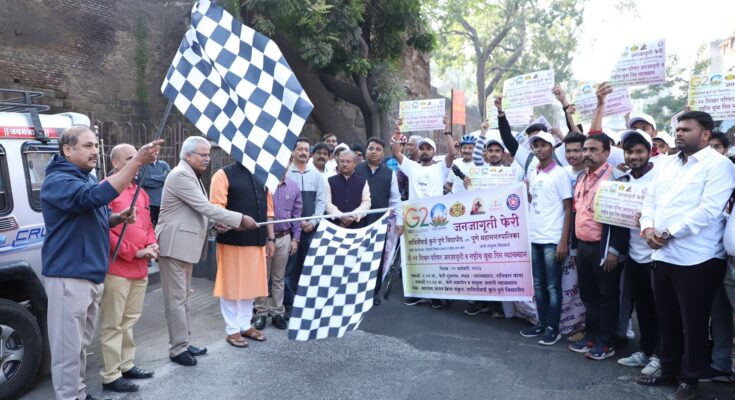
(684,24)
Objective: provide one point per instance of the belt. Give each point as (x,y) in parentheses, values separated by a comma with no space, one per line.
(282,234)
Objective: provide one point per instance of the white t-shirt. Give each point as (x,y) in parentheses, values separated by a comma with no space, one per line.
(458,184)
(424,181)
(638,249)
(548,190)
(573,175)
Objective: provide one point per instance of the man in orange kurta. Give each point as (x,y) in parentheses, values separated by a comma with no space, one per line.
(241,255)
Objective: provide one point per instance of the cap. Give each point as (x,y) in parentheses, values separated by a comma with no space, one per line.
(633,132)
(428,141)
(668,139)
(545,136)
(641,117)
(613,135)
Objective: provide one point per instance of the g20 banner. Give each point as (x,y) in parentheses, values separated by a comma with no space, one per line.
(642,63)
(422,115)
(468,246)
(713,94)
(533,89)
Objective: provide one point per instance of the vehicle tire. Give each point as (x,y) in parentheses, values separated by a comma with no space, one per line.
(20,349)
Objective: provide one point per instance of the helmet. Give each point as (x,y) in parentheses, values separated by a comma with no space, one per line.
(467,139)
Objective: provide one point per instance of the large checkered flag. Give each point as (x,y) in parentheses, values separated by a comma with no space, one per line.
(337,283)
(234,84)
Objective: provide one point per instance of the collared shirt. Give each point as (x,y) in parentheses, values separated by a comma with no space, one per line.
(287,204)
(364,202)
(585,226)
(638,249)
(156,174)
(311,185)
(688,199)
(394,200)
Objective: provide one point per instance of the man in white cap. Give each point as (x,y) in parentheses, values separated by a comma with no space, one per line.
(550,218)
(643,122)
(664,146)
(425,178)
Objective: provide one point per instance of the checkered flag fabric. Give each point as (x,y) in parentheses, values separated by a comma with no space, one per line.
(337,284)
(235,86)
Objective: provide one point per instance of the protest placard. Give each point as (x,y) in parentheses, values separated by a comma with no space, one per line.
(469,246)
(422,115)
(458,107)
(642,63)
(616,203)
(713,94)
(533,89)
(585,101)
(515,116)
(484,177)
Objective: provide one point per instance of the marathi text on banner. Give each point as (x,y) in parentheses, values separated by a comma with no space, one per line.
(641,64)
(527,90)
(485,177)
(422,115)
(713,94)
(585,101)
(516,116)
(616,203)
(469,246)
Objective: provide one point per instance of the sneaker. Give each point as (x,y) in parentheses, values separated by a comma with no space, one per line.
(476,307)
(439,304)
(712,375)
(653,367)
(550,337)
(637,359)
(412,301)
(533,331)
(582,346)
(600,352)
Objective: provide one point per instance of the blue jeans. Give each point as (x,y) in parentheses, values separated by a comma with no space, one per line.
(546,284)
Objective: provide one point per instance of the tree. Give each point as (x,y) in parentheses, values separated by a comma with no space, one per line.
(506,37)
(344,49)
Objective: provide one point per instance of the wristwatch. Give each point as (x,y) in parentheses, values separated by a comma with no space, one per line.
(272,240)
(666,235)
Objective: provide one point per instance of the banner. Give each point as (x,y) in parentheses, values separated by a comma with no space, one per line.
(515,116)
(486,177)
(468,246)
(585,101)
(713,94)
(641,64)
(526,90)
(616,203)
(458,107)
(422,115)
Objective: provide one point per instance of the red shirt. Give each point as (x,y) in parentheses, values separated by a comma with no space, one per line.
(137,236)
(586,228)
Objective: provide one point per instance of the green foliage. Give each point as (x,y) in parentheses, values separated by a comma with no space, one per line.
(141,60)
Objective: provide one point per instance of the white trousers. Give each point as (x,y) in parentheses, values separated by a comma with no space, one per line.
(237,314)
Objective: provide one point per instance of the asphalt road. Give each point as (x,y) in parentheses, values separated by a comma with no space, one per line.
(399,352)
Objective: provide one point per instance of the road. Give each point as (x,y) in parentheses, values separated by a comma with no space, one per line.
(399,352)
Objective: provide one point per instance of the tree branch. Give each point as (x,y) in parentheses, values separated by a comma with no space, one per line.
(499,71)
(344,91)
(472,35)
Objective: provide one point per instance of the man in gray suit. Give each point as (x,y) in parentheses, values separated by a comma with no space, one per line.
(182,236)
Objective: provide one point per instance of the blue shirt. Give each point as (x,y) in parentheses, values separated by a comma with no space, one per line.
(156,174)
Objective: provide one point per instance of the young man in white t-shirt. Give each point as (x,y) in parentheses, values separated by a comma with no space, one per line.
(425,178)
(550,218)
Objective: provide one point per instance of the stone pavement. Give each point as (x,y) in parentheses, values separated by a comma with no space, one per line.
(399,352)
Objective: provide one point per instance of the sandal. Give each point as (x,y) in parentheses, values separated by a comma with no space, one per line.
(236,340)
(254,334)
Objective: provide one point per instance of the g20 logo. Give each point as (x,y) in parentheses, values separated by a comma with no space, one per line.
(416,217)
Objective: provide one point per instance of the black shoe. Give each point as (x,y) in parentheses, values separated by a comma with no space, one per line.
(137,373)
(120,385)
(661,380)
(185,359)
(412,301)
(685,391)
(260,322)
(439,304)
(476,307)
(712,375)
(287,314)
(376,301)
(90,397)
(196,351)
(279,322)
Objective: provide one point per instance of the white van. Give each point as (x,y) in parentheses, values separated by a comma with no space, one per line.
(28,140)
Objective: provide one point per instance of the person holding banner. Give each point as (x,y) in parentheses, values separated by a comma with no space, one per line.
(426,178)
(682,221)
(550,218)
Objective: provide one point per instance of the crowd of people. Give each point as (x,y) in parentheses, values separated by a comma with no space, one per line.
(674,270)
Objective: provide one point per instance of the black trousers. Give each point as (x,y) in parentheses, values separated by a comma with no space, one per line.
(600,293)
(644,305)
(684,296)
(155,210)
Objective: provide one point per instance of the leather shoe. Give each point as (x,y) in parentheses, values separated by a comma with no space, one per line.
(279,322)
(259,322)
(196,351)
(185,359)
(137,373)
(685,391)
(661,380)
(120,385)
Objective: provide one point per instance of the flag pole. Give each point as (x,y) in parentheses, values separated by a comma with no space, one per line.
(159,133)
(347,214)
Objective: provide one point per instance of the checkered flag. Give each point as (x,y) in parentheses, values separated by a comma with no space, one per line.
(234,84)
(337,283)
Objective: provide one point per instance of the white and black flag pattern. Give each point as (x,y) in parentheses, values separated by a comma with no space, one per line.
(235,86)
(338,280)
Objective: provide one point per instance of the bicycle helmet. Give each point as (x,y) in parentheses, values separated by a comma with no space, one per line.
(467,139)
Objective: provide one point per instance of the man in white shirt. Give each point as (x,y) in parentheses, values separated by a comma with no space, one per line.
(550,218)
(425,178)
(466,149)
(682,221)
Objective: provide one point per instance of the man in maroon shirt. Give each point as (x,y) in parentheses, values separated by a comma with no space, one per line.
(125,285)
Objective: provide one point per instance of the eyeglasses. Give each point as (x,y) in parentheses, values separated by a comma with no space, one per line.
(202,155)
